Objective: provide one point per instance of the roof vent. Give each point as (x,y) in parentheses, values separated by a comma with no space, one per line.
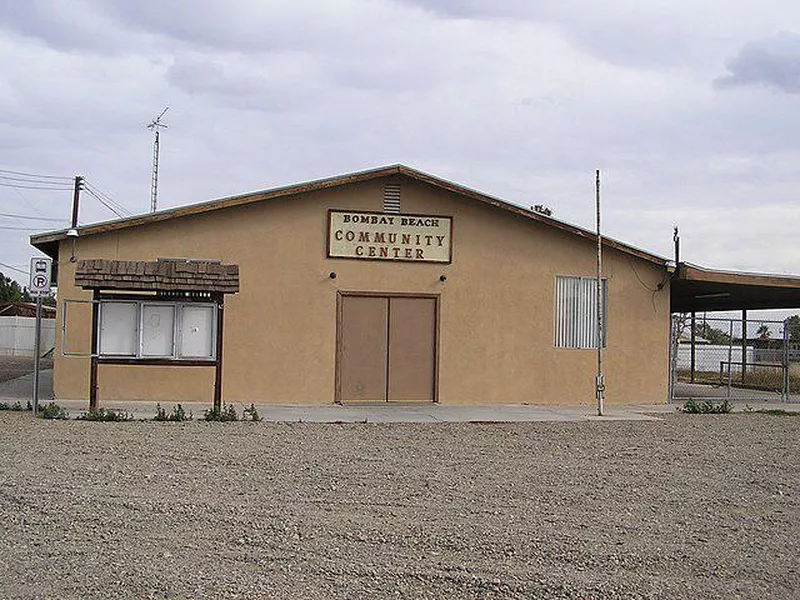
(391,198)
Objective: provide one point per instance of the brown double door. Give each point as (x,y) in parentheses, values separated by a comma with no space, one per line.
(387,349)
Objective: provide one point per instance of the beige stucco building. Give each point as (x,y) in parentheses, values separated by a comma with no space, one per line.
(458,298)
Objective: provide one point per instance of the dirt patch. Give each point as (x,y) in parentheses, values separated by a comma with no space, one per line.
(687,507)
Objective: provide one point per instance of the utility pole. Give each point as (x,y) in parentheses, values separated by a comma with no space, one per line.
(600,386)
(154,126)
(76,198)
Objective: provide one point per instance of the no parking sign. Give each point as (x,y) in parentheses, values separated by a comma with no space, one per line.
(39,284)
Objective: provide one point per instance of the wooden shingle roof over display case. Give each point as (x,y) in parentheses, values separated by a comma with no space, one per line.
(161,275)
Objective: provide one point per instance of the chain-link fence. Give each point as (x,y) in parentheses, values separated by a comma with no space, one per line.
(734,359)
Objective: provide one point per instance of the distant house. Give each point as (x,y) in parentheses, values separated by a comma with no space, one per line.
(25,309)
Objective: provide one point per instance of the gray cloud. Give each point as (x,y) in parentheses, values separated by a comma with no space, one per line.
(771,62)
(520,99)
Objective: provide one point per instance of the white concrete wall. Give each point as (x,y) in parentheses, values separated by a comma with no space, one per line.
(18,335)
(708,357)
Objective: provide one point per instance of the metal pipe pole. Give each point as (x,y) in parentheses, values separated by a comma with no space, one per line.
(599,381)
(785,363)
(730,357)
(693,348)
(744,343)
(37,353)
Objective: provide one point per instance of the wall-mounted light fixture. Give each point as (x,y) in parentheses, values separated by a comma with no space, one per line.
(73,234)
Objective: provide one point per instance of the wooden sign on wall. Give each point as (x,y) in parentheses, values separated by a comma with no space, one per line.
(384,236)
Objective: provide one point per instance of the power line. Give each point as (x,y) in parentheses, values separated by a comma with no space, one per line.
(34,175)
(104,203)
(36,187)
(31,180)
(20,228)
(118,205)
(110,201)
(32,218)
(13,268)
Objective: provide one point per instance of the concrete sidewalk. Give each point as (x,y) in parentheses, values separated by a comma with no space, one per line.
(394,413)
(20,389)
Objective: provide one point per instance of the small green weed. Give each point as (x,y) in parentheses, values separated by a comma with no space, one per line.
(53,411)
(177,414)
(707,407)
(778,412)
(161,414)
(106,414)
(16,406)
(251,414)
(228,413)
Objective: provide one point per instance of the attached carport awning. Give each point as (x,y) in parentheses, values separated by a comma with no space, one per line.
(696,289)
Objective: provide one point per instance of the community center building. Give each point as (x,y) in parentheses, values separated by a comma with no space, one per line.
(387,285)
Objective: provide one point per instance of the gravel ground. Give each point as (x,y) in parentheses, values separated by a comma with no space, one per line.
(687,507)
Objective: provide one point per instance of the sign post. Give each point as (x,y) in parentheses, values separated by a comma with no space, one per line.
(39,286)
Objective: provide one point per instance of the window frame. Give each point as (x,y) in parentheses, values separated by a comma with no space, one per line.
(137,326)
(178,308)
(174,344)
(578,325)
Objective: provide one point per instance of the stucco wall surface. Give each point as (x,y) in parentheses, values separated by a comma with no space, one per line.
(496,307)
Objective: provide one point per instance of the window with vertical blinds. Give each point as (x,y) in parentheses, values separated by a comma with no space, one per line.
(576,312)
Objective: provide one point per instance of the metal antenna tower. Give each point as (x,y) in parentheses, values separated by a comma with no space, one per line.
(154,126)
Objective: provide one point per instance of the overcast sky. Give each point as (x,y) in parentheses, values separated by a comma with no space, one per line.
(690,109)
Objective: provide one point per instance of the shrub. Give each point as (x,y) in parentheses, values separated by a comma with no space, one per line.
(106,414)
(161,414)
(177,414)
(16,406)
(53,411)
(251,413)
(707,407)
(228,413)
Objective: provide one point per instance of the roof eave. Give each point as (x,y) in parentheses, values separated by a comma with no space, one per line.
(48,242)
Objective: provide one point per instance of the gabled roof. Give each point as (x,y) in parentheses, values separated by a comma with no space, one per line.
(25,309)
(48,242)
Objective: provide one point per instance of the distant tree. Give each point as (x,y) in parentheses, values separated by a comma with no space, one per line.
(793,327)
(763,332)
(11,291)
(713,335)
